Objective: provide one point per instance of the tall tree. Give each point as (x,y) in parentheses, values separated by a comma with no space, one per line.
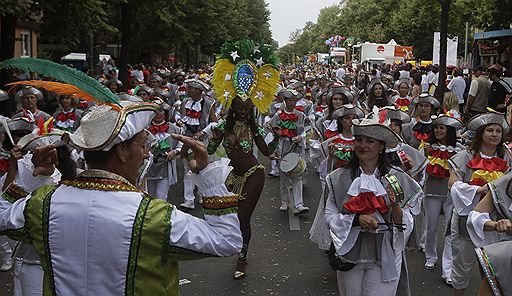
(445,10)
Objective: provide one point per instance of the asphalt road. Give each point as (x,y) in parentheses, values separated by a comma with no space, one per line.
(281,261)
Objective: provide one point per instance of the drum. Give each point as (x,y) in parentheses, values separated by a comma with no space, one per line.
(292,165)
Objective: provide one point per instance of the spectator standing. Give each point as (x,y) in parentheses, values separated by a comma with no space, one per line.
(478,94)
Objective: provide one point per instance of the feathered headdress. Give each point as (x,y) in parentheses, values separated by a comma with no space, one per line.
(248,70)
(73,81)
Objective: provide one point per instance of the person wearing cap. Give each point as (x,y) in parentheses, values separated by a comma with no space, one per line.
(478,94)
(500,91)
(418,130)
(402,100)
(401,154)
(276,105)
(336,152)
(67,118)
(119,238)
(155,81)
(115,85)
(364,212)
(288,124)
(321,105)
(28,273)
(162,173)
(442,146)
(338,149)
(198,113)
(470,171)
(143,91)
(28,97)
(458,86)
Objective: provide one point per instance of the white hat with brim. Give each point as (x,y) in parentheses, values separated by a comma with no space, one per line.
(102,126)
(290,94)
(19,124)
(340,90)
(447,120)
(196,83)
(492,117)
(33,140)
(395,114)
(26,91)
(426,98)
(372,129)
(347,109)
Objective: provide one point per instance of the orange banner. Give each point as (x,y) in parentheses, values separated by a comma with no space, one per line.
(404,52)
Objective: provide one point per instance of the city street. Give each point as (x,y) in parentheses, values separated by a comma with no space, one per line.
(282,261)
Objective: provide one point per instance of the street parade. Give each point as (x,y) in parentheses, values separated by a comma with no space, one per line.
(337,165)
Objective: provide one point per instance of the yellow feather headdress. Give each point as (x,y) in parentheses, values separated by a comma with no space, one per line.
(247,70)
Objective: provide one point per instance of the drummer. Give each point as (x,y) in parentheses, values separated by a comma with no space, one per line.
(289,125)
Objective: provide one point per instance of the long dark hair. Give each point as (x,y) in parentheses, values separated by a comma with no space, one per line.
(451,135)
(230,119)
(66,166)
(476,143)
(383,164)
(372,100)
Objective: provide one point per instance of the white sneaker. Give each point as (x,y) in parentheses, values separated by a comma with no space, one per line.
(283,207)
(449,282)
(188,205)
(6,265)
(430,265)
(300,210)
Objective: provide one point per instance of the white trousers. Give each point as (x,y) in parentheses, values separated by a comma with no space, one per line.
(365,279)
(28,279)
(433,206)
(296,184)
(464,258)
(5,249)
(274,169)
(188,185)
(158,188)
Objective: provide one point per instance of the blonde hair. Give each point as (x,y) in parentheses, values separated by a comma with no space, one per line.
(450,101)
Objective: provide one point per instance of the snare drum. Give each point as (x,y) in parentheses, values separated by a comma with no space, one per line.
(292,165)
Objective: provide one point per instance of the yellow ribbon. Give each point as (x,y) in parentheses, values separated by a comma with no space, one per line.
(486,175)
(439,161)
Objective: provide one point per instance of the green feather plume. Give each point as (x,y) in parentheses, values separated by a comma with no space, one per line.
(64,74)
(246,50)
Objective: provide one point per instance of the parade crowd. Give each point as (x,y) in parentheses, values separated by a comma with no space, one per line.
(86,166)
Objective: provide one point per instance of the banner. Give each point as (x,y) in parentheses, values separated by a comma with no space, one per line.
(451,52)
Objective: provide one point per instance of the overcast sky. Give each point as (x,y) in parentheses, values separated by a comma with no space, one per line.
(288,15)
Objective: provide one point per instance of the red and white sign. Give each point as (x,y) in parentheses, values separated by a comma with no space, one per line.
(380,49)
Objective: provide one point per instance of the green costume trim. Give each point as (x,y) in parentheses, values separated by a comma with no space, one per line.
(37,212)
(236,183)
(154,273)
(220,212)
(134,246)
(13,192)
(19,234)
(343,155)
(288,124)
(261,131)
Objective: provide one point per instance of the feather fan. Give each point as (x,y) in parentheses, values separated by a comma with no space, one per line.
(64,74)
(61,89)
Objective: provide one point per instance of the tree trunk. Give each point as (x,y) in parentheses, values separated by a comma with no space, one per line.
(125,40)
(445,9)
(7,41)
